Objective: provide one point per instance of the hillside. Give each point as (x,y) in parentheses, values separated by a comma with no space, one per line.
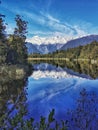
(80,42)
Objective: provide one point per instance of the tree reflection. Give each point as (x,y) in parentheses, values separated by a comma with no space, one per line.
(12,95)
(77,66)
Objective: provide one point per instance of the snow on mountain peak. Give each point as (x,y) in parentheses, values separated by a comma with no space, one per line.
(48,40)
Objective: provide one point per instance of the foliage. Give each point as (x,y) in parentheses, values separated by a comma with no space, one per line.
(12,47)
(17,48)
(83,117)
(3,40)
(18,123)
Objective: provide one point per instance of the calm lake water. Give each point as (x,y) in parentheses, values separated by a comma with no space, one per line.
(51,85)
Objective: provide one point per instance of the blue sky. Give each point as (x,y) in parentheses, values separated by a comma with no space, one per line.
(53,17)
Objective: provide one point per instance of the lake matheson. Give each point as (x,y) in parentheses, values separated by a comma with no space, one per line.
(53,85)
(49,65)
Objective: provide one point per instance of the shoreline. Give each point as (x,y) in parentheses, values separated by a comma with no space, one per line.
(64,59)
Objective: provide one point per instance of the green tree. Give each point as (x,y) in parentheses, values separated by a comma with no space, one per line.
(3,40)
(84,117)
(20,37)
(18,50)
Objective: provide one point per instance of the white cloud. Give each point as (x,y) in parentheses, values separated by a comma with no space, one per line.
(61,32)
(79,31)
(55,26)
(51,18)
(41,33)
(10,29)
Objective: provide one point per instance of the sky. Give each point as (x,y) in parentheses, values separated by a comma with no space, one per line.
(46,18)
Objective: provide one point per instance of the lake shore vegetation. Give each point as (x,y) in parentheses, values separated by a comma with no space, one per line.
(13,51)
(81,53)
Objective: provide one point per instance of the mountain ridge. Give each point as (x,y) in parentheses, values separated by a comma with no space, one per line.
(80,42)
(49,48)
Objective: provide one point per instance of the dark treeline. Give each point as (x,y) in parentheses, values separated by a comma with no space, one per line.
(12,47)
(89,51)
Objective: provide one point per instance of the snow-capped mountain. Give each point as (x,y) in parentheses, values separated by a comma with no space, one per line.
(48,40)
(49,45)
(42,48)
(45,45)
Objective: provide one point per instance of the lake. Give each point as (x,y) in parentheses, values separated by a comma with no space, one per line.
(52,85)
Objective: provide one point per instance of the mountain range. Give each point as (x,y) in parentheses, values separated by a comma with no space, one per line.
(48,47)
(43,48)
(49,40)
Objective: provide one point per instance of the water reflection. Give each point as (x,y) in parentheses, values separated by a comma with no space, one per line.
(12,93)
(45,70)
(56,86)
(84,68)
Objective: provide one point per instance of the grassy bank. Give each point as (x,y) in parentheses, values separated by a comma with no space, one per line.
(47,58)
(16,70)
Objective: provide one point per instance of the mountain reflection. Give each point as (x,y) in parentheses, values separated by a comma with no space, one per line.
(54,84)
(77,68)
(57,85)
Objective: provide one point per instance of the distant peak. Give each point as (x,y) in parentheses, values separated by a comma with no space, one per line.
(49,40)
